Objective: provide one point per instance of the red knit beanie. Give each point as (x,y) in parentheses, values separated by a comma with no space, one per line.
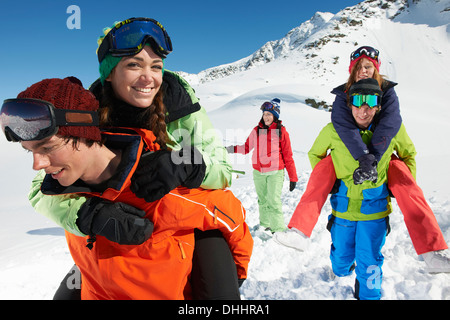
(67,93)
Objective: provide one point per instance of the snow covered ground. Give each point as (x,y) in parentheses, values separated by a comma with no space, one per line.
(415,52)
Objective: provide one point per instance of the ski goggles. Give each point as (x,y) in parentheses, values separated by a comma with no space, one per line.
(129,37)
(268,106)
(370,52)
(372,100)
(34,119)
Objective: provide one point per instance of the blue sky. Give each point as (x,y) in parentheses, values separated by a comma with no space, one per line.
(36,42)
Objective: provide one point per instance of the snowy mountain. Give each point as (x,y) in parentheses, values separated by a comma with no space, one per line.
(414,40)
(310,39)
(415,55)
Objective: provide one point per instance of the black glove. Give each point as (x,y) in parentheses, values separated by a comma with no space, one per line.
(162,171)
(292,185)
(117,222)
(367,170)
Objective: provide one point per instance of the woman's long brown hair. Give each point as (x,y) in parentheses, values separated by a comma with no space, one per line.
(352,79)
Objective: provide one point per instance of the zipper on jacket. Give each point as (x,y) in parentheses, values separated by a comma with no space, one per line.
(183,254)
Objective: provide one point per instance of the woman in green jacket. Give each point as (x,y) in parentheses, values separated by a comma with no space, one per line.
(134,90)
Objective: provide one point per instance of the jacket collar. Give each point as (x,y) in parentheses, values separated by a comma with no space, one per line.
(274,125)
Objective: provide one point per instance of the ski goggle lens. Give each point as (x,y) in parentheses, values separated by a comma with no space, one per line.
(129,37)
(267,106)
(33,119)
(370,99)
(367,51)
(25,119)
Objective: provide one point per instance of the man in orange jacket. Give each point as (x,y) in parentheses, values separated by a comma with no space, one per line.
(66,142)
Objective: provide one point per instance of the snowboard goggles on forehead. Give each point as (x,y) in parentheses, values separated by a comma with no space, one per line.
(372,100)
(129,37)
(267,106)
(367,51)
(34,119)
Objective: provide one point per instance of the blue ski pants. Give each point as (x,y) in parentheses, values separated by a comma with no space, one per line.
(360,242)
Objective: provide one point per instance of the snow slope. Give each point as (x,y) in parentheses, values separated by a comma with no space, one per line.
(413,37)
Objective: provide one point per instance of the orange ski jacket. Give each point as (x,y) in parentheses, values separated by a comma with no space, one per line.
(160,267)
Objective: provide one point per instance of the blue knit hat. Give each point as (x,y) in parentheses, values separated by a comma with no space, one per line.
(273,106)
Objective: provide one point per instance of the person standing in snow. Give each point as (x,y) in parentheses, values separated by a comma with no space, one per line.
(57,121)
(359,221)
(135,90)
(420,221)
(272,154)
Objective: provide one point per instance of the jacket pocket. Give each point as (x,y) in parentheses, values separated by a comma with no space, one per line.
(375,200)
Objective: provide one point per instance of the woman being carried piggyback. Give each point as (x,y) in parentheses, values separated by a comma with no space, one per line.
(420,221)
(359,221)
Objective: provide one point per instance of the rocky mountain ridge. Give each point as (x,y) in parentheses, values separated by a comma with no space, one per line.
(308,40)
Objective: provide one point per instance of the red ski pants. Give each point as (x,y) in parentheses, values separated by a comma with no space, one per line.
(420,221)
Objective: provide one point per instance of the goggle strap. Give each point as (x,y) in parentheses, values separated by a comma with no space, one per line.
(104,48)
(79,118)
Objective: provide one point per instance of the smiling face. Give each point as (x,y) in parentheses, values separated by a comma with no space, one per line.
(267,118)
(364,115)
(137,79)
(58,158)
